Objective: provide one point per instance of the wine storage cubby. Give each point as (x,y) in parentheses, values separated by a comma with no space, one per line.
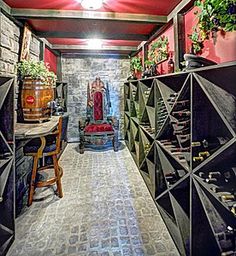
(7,176)
(181,131)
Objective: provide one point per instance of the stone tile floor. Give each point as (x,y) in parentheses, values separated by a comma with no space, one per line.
(106,210)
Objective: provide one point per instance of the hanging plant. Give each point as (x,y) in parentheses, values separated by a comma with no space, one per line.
(136,64)
(213,16)
(158,51)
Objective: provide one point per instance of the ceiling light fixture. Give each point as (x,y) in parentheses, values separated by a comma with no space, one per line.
(91,4)
(95,43)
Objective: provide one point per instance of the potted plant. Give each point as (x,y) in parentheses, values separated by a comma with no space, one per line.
(212,16)
(36,91)
(36,70)
(136,64)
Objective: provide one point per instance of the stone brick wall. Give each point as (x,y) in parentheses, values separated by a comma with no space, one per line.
(9,46)
(77,72)
(9,56)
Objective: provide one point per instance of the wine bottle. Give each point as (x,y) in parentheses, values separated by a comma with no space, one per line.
(227,197)
(233,209)
(181,113)
(214,175)
(171,178)
(211,143)
(184,140)
(204,154)
(173,95)
(181,131)
(198,159)
(230,175)
(187,149)
(181,123)
(182,103)
(211,180)
(202,175)
(170,64)
(229,253)
(229,233)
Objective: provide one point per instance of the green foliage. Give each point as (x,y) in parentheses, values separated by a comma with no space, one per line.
(158,50)
(136,64)
(216,14)
(213,15)
(35,70)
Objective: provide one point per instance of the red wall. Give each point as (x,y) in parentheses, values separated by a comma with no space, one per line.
(225,48)
(51,59)
(169,33)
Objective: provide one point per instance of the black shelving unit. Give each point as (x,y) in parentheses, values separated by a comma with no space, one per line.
(61,91)
(7,176)
(185,137)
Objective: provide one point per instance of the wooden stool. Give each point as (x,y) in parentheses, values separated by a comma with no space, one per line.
(48,145)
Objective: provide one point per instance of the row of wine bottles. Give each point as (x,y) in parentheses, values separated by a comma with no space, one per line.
(161,113)
(206,147)
(223,182)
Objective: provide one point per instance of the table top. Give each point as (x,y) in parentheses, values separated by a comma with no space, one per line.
(34,130)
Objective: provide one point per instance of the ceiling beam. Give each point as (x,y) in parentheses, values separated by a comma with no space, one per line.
(92,54)
(85,47)
(21,13)
(5,7)
(80,35)
(181,7)
(45,41)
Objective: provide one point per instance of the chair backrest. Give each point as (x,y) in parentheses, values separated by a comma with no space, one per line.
(98,101)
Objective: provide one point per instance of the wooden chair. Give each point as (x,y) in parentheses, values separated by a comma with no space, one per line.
(99,126)
(49,145)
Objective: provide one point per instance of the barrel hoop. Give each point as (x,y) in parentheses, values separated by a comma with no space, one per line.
(43,87)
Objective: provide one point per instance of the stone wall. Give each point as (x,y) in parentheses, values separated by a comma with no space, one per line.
(9,46)
(9,56)
(77,72)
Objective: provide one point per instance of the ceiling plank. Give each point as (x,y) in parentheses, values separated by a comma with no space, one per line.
(181,7)
(60,34)
(85,47)
(5,7)
(71,14)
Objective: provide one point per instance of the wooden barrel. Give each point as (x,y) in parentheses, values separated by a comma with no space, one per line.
(35,98)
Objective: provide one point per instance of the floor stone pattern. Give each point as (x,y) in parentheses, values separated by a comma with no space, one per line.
(106,211)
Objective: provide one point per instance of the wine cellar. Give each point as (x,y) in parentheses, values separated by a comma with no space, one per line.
(7,156)
(180,130)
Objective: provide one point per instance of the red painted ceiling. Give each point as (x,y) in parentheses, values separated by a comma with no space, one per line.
(154,7)
(80,29)
(91,26)
(73,41)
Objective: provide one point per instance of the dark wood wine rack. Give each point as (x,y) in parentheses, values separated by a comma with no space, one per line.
(61,94)
(181,131)
(7,176)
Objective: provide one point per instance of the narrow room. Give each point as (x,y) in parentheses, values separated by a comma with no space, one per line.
(118,128)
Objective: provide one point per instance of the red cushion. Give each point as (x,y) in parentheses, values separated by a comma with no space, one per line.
(98,128)
(98,106)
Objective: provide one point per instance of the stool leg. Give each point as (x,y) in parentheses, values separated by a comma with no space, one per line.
(32,181)
(57,174)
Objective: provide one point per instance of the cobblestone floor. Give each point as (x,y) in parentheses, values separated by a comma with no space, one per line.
(106,210)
